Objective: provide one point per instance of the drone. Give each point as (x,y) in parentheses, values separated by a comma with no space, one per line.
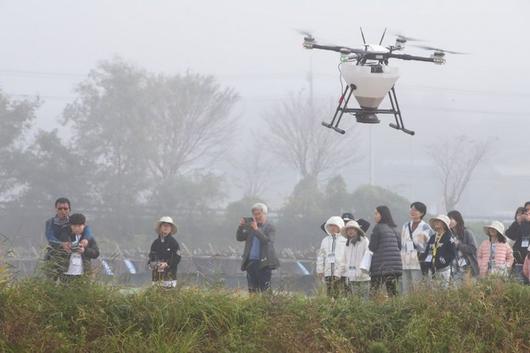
(369,77)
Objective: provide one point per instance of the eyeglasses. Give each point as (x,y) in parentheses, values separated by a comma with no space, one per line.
(63,208)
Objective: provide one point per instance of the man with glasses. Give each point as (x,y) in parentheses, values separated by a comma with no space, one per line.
(55,225)
(519,232)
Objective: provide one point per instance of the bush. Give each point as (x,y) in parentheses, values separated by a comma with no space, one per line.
(37,316)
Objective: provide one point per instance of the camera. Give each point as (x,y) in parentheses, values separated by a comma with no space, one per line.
(157,266)
(248,220)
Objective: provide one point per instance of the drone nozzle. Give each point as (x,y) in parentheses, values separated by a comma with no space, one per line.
(439,60)
(308,42)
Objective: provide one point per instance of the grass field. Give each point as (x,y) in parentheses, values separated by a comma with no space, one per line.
(36,316)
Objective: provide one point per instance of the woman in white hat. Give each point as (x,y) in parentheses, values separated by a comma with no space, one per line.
(165,253)
(356,281)
(440,250)
(494,255)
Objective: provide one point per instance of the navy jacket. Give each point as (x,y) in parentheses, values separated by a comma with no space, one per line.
(165,249)
(445,253)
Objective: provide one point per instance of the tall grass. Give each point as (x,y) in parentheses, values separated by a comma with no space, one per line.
(38,316)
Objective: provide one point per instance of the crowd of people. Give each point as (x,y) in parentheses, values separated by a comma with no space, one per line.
(72,246)
(349,261)
(442,251)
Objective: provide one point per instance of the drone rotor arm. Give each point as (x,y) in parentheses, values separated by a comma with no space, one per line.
(338,49)
(436,60)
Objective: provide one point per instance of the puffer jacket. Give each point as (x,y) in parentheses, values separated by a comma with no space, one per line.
(385,243)
(331,251)
(503,257)
(351,260)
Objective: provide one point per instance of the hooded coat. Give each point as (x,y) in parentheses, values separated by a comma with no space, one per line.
(331,252)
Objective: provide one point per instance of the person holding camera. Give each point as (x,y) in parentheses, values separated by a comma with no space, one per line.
(164,255)
(259,257)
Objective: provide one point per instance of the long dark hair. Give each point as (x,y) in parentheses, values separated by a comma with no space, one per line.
(386,216)
(460,225)
(519,211)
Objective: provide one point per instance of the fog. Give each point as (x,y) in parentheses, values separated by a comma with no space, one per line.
(48,47)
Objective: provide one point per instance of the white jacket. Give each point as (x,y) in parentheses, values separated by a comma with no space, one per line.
(351,260)
(330,255)
(412,245)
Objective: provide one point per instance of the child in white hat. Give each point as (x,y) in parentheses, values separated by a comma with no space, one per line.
(494,254)
(165,254)
(357,282)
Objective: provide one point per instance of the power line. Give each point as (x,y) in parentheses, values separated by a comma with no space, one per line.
(270,76)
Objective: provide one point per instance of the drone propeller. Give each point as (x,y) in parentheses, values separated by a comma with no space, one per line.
(438,50)
(404,38)
(304,32)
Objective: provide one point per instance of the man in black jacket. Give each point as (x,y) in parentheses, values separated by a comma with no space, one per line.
(519,232)
(259,257)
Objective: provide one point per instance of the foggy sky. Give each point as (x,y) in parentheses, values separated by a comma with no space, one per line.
(47,47)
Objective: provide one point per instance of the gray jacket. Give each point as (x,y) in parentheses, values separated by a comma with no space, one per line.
(265,234)
(468,248)
(385,243)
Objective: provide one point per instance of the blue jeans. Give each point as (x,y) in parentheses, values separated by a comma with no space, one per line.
(258,279)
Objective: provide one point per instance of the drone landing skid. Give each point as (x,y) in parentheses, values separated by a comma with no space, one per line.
(366,116)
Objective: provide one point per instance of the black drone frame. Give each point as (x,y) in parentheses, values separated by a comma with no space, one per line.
(368,115)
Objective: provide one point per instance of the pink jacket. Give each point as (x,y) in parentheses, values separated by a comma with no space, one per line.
(526,268)
(503,256)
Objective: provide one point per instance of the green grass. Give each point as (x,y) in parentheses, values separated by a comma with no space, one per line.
(37,316)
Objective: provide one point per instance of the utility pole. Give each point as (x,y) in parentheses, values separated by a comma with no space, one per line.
(370,157)
(310,80)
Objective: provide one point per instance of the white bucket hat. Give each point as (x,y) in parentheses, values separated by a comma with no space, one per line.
(443,218)
(498,226)
(167,220)
(353,224)
(335,220)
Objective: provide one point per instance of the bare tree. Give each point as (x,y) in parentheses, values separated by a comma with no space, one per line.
(191,122)
(298,139)
(253,169)
(456,159)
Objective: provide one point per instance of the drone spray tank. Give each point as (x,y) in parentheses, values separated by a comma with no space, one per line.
(372,84)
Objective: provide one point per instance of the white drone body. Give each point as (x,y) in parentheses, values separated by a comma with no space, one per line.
(372,87)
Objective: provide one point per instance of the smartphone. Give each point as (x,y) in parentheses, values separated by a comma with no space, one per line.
(248,220)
